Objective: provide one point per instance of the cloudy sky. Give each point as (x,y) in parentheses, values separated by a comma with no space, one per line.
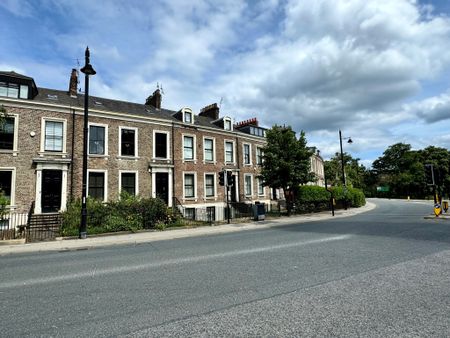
(377,70)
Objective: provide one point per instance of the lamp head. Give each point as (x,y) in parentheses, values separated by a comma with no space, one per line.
(88,69)
(350,141)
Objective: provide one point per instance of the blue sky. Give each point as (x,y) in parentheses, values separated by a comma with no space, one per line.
(377,70)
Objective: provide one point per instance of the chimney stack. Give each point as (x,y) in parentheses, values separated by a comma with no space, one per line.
(211,111)
(154,99)
(73,84)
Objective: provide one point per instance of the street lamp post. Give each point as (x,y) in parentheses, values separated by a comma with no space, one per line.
(87,70)
(342,163)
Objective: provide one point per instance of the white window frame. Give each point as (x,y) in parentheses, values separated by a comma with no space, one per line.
(249,154)
(64,145)
(225,152)
(136,145)
(105,181)
(12,200)
(259,183)
(187,110)
(262,155)
(136,180)
(106,138)
(16,136)
(215,185)
(245,185)
(190,198)
(214,150)
(194,145)
(167,144)
(225,120)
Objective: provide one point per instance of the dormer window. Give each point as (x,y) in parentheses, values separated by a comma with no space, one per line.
(227,124)
(13,90)
(186,115)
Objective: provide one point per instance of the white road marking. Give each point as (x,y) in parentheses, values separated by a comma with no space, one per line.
(130,268)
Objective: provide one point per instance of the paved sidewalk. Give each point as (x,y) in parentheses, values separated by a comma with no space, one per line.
(152,236)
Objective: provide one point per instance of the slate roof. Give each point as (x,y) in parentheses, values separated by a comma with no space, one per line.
(47,95)
(16,75)
(53,96)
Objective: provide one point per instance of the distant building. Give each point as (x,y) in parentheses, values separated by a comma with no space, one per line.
(317,167)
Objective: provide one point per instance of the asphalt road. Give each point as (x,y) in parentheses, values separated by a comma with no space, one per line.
(382,273)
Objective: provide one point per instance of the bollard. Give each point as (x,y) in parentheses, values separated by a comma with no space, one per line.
(437,209)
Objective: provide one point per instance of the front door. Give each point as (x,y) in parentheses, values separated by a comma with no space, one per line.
(51,190)
(162,186)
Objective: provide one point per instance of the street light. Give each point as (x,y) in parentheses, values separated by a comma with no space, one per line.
(342,162)
(87,70)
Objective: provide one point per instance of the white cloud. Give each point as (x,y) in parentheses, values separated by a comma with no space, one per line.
(20,8)
(433,109)
(318,65)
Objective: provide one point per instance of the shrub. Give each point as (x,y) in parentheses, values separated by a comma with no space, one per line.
(4,202)
(312,198)
(129,213)
(355,197)
(153,211)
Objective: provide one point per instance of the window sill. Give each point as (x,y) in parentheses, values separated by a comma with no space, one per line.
(52,153)
(155,159)
(8,151)
(189,161)
(189,199)
(209,162)
(97,156)
(122,157)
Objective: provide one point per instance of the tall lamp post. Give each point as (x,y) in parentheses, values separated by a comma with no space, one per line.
(87,70)
(342,163)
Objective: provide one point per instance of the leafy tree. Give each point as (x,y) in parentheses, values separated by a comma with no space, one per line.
(440,159)
(393,160)
(354,172)
(286,162)
(402,170)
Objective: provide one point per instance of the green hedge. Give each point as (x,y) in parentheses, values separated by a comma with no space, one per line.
(355,197)
(312,198)
(315,198)
(129,213)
